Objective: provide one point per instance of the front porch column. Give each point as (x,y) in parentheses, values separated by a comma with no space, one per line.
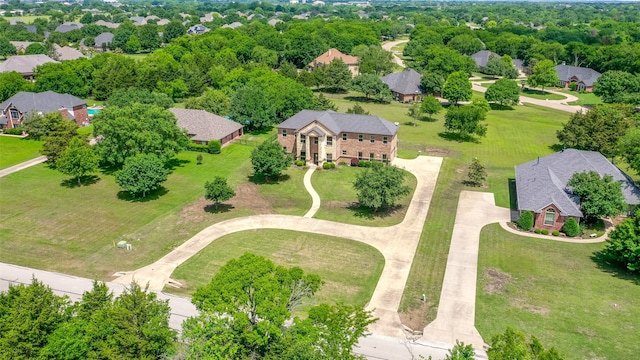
(307,149)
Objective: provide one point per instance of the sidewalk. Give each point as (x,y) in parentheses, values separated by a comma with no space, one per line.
(22,166)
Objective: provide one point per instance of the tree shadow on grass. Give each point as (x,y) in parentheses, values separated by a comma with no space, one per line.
(615,270)
(370,214)
(219,209)
(174,163)
(513,196)
(428,119)
(495,106)
(557,147)
(454,136)
(362,99)
(84,181)
(260,179)
(153,195)
(256,132)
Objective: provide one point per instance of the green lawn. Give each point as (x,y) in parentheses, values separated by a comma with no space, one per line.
(339,197)
(584,99)
(556,292)
(136,56)
(27,19)
(57,226)
(542,95)
(350,269)
(14,150)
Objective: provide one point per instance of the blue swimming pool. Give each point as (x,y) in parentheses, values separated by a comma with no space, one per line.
(93,111)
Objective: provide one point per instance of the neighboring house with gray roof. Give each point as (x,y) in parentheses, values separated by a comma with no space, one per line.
(233,25)
(108,24)
(541,185)
(103,40)
(197,29)
(68,26)
(482,57)
(203,126)
(14,109)
(581,76)
(24,64)
(67,53)
(405,85)
(327,136)
(32,29)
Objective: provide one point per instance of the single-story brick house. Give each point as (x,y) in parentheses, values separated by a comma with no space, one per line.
(327,136)
(405,85)
(581,76)
(332,54)
(541,186)
(14,109)
(203,126)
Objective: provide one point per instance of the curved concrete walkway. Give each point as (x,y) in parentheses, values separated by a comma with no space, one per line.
(23,165)
(315,204)
(396,243)
(599,239)
(457,308)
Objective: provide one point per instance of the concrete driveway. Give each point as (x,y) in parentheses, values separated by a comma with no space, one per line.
(396,243)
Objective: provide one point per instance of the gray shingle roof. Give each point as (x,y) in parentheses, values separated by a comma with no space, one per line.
(104,38)
(68,26)
(586,75)
(481,57)
(204,126)
(24,64)
(337,123)
(67,53)
(406,82)
(44,102)
(544,181)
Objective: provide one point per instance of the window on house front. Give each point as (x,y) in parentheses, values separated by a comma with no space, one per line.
(549,217)
(315,140)
(372,139)
(284,132)
(14,114)
(385,140)
(329,140)
(384,158)
(344,152)
(371,156)
(303,139)
(329,157)
(360,137)
(344,136)
(303,155)
(359,155)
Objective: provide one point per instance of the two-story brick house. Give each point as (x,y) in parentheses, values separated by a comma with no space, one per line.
(14,109)
(327,136)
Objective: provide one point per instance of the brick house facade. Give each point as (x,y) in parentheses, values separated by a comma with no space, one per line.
(14,109)
(318,137)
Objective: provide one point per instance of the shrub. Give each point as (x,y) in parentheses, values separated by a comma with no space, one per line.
(364,164)
(355,162)
(198,147)
(544,232)
(13,131)
(214,147)
(343,163)
(299,162)
(537,231)
(571,227)
(328,165)
(555,233)
(525,221)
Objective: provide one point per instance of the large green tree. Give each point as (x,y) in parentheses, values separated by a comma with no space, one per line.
(141,174)
(173,30)
(77,160)
(599,196)
(504,91)
(6,48)
(380,186)
(374,60)
(59,135)
(218,190)
(127,97)
(466,120)
(118,72)
(213,101)
(617,87)
(432,83)
(137,129)
(251,107)
(370,84)
(337,76)
(430,105)
(12,83)
(599,129)
(543,74)
(246,313)
(457,88)
(269,160)
(623,245)
(513,344)
(629,148)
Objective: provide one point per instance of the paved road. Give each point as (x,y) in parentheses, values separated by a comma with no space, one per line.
(23,165)
(396,243)
(553,104)
(456,310)
(390,44)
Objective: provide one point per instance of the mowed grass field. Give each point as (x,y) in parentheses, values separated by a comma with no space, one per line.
(56,226)
(349,269)
(513,137)
(556,292)
(339,199)
(14,150)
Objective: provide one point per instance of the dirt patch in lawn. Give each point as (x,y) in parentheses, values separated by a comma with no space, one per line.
(248,196)
(415,319)
(496,281)
(435,151)
(523,305)
(338,204)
